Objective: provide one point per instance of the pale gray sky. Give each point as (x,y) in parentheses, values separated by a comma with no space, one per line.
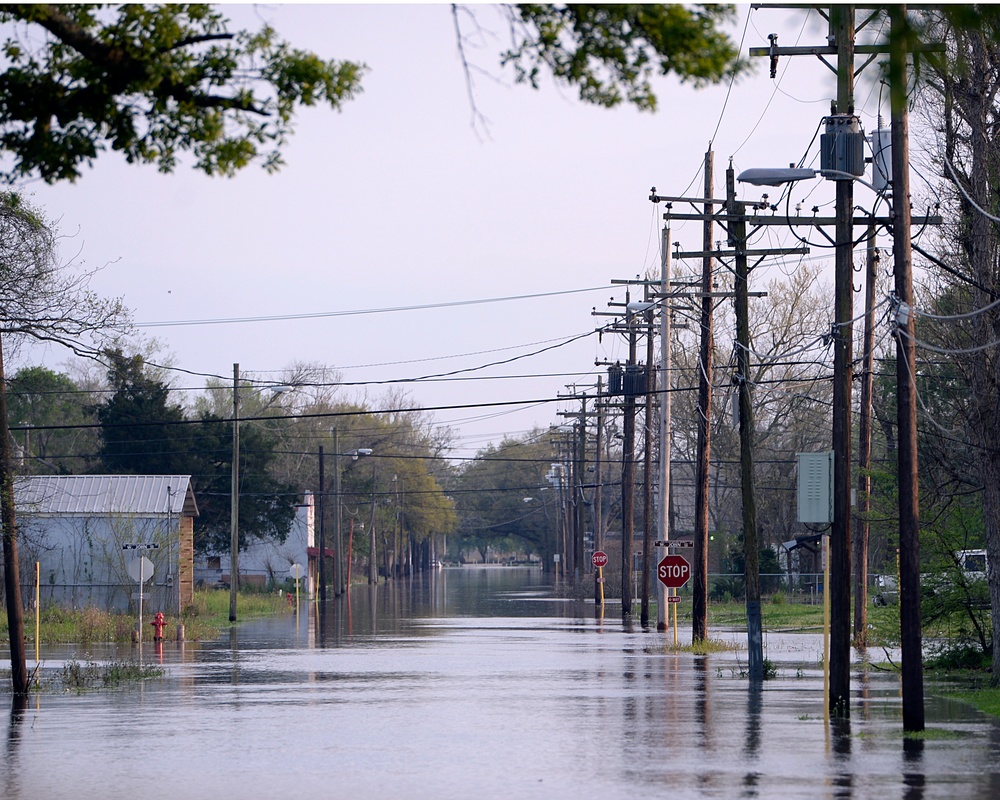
(397,201)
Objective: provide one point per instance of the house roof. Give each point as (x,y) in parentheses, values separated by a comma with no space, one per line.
(105,494)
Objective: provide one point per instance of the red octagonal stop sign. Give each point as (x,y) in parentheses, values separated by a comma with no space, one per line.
(673,571)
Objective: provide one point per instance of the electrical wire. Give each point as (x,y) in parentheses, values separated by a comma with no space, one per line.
(365,311)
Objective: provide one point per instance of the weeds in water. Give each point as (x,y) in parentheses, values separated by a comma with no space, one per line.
(91,675)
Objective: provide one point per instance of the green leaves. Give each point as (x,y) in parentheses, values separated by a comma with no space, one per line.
(153,82)
(610,52)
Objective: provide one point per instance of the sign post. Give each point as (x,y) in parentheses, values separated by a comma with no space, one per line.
(600,560)
(140,570)
(673,571)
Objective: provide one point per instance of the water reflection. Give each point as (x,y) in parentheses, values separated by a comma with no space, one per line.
(484,683)
(913,768)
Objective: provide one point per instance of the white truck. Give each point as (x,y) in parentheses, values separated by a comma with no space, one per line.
(973,564)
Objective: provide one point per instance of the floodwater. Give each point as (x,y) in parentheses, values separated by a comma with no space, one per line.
(482,683)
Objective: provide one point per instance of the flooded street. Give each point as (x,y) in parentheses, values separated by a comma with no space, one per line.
(482,683)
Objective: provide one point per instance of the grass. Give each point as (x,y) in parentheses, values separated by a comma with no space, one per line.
(205,619)
(91,675)
(782,615)
(985,700)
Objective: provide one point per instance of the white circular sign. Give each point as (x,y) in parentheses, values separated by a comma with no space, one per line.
(140,569)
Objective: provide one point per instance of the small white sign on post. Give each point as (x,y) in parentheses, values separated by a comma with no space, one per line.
(140,570)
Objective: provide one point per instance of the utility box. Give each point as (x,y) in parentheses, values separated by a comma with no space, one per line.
(816,487)
(842,147)
(881,159)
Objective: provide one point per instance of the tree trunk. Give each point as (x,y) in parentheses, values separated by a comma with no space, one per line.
(20,681)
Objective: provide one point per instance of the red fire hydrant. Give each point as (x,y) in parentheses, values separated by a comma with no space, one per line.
(158,624)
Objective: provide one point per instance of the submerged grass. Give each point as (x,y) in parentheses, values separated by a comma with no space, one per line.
(92,675)
(985,700)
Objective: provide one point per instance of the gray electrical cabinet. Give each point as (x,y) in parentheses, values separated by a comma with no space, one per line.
(816,487)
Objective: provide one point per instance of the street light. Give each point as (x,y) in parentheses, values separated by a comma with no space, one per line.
(778,176)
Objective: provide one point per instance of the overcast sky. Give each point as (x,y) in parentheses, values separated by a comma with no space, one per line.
(398,201)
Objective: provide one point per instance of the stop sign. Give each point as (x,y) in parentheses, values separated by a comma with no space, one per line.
(599,559)
(673,571)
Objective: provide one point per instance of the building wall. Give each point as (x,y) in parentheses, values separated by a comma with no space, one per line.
(82,561)
(185,572)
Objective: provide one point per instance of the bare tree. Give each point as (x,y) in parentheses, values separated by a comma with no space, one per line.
(46,299)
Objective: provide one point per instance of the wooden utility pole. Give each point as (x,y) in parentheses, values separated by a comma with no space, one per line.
(321,513)
(859,551)
(906,394)
(372,565)
(599,491)
(581,471)
(841,43)
(234,510)
(751,547)
(699,599)
(628,478)
(338,545)
(842,29)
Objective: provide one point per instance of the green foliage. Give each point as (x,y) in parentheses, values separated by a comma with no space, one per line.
(727,588)
(611,51)
(143,433)
(504,499)
(37,396)
(141,430)
(152,81)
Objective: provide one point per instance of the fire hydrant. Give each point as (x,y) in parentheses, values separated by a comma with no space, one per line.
(158,623)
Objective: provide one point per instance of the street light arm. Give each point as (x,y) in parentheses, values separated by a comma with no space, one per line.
(766,176)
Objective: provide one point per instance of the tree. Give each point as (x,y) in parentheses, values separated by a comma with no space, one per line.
(966,85)
(154,81)
(500,500)
(150,81)
(48,405)
(144,433)
(610,51)
(41,298)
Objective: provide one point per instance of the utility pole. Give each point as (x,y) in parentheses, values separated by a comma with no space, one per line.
(372,566)
(628,476)
(663,520)
(841,42)
(699,599)
(859,551)
(581,471)
(735,219)
(842,29)
(234,512)
(751,548)
(599,491)
(906,414)
(321,512)
(647,470)
(338,549)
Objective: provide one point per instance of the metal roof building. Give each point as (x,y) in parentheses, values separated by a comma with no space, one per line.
(83,531)
(105,494)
